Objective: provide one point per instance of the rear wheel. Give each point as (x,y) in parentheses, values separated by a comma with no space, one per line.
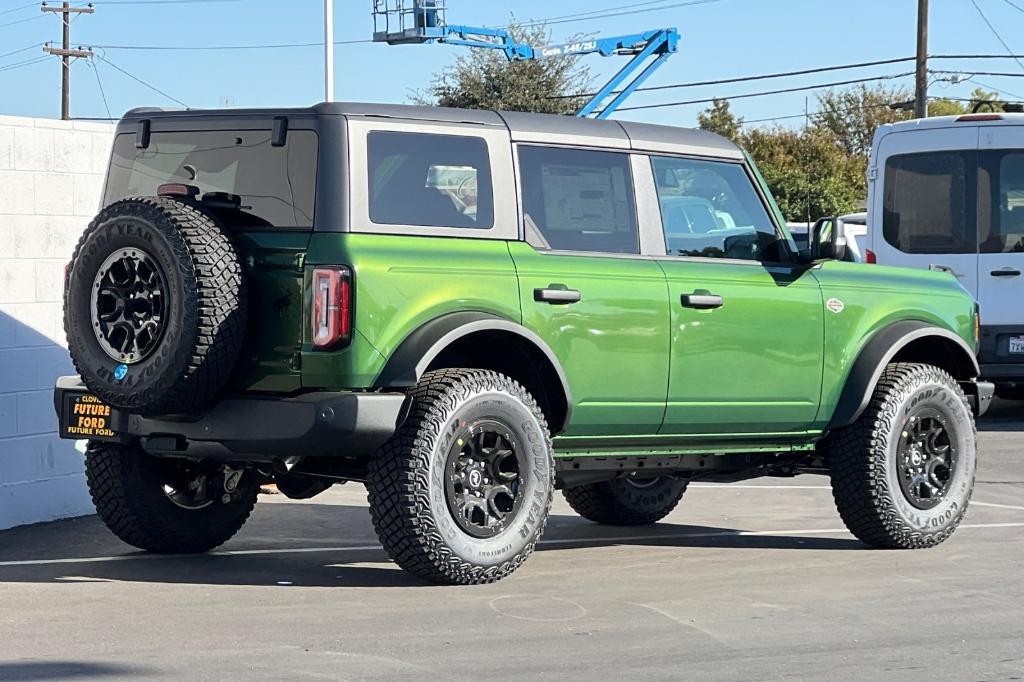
(167,506)
(903,473)
(628,501)
(461,493)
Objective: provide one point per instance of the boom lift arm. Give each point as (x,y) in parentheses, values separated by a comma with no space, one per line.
(403,22)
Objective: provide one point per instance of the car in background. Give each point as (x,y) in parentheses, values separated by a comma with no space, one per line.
(947,194)
(853,226)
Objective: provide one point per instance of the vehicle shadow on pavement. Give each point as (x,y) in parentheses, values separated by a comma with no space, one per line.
(65,670)
(317,545)
(1004,415)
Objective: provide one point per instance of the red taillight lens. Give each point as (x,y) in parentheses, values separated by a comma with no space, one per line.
(332,307)
(870,257)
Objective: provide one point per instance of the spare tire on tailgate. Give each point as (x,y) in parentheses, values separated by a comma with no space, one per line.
(154,306)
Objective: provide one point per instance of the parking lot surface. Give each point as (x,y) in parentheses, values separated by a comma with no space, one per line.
(747,581)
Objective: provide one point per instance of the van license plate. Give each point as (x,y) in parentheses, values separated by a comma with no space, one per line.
(1017,344)
(84,416)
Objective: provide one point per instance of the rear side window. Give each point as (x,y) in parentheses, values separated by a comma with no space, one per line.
(929,199)
(1001,219)
(710,209)
(276,185)
(579,200)
(429,180)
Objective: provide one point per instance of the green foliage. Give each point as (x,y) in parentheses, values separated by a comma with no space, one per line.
(485,79)
(718,118)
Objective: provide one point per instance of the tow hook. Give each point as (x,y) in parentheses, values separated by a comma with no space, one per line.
(232,477)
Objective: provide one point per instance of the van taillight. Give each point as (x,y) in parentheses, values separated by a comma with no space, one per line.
(332,307)
(869,256)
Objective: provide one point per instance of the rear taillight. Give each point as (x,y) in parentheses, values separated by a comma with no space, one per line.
(869,256)
(332,307)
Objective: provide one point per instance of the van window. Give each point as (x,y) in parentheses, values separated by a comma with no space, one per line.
(276,185)
(1002,230)
(709,209)
(928,202)
(578,200)
(429,180)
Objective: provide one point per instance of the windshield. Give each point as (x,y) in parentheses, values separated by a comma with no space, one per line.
(276,185)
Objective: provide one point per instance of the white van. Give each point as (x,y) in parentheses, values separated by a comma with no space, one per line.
(947,193)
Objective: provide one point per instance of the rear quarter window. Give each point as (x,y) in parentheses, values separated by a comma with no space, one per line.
(929,200)
(276,185)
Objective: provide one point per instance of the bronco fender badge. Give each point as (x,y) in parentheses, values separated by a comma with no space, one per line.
(835,305)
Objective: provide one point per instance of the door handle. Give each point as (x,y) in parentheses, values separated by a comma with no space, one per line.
(701,301)
(556,296)
(1006,272)
(935,267)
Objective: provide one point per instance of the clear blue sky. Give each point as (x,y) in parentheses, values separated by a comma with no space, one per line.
(720,39)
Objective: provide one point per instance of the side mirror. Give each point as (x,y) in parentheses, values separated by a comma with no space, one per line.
(828,240)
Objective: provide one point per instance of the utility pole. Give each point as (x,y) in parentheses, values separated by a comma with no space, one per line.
(329,50)
(66,53)
(921,87)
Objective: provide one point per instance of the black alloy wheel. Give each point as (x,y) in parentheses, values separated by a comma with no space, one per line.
(483,485)
(129,305)
(927,459)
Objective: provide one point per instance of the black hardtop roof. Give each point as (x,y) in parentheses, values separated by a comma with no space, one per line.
(524,127)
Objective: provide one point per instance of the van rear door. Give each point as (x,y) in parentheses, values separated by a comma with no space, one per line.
(923,200)
(1001,231)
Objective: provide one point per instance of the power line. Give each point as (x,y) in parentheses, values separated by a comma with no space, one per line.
(161,2)
(99,83)
(995,32)
(24,49)
(139,80)
(19,21)
(27,62)
(588,14)
(569,18)
(228,47)
(18,9)
(768,92)
(766,76)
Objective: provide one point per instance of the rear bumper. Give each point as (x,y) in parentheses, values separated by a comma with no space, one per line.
(998,364)
(261,429)
(979,394)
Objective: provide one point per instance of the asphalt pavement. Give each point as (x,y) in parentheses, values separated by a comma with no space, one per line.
(741,582)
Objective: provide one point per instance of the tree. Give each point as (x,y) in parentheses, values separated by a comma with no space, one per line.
(485,79)
(718,118)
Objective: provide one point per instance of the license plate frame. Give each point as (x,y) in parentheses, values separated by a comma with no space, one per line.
(1016,345)
(83,416)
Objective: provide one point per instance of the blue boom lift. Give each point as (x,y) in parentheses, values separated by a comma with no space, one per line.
(404,22)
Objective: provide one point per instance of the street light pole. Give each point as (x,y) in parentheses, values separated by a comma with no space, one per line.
(329,50)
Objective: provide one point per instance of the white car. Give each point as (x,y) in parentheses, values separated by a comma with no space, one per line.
(947,193)
(853,226)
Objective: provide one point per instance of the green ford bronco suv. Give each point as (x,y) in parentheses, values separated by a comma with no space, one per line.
(467,310)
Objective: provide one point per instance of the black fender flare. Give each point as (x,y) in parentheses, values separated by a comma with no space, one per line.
(414,354)
(878,352)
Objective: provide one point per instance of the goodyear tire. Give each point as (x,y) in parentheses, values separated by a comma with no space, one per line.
(461,494)
(902,475)
(626,501)
(162,505)
(154,306)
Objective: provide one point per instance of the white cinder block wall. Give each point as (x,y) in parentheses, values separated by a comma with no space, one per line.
(51,174)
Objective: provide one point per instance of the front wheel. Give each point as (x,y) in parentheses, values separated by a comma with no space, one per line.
(903,473)
(628,501)
(461,494)
(166,506)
